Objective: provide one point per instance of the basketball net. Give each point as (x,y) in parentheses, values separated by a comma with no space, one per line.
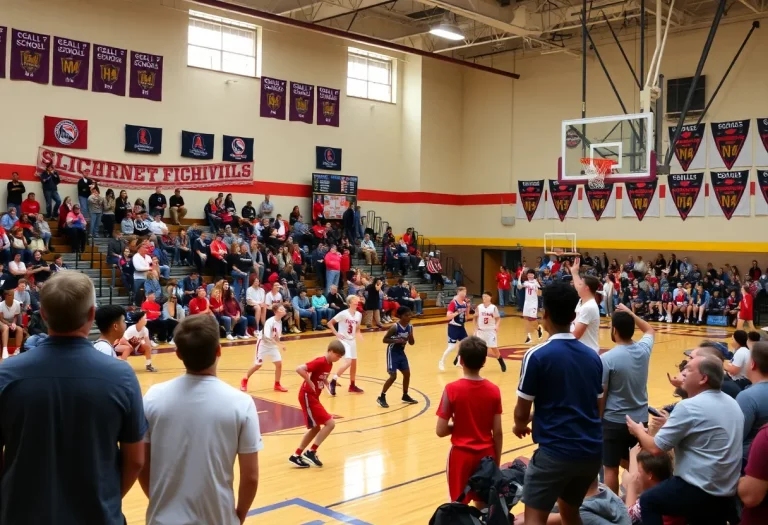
(596,170)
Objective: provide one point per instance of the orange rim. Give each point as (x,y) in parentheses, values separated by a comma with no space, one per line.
(601,165)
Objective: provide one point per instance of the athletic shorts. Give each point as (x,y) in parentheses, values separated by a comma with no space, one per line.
(489,336)
(314,412)
(549,478)
(462,463)
(397,360)
(531,312)
(350,348)
(266,352)
(616,443)
(456,333)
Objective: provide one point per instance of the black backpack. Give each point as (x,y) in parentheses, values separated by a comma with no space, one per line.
(456,514)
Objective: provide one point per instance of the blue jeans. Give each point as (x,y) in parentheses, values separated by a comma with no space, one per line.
(418,306)
(46,238)
(325,313)
(239,281)
(165,271)
(138,284)
(95,224)
(331,277)
(52,203)
(83,206)
(675,497)
(503,297)
(239,327)
(309,314)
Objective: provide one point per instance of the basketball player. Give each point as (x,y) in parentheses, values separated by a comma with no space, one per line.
(487,321)
(586,326)
(398,335)
(531,304)
(315,375)
(268,347)
(348,333)
(457,315)
(745,316)
(136,339)
(110,320)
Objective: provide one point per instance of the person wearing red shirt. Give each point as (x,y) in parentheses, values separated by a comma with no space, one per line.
(332,268)
(30,206)
(318,208)
(504,285)
(474,405)
(346,264)
(157,327)
(199,304)
(319,231)
(319,422)
(219,254)
(745,316)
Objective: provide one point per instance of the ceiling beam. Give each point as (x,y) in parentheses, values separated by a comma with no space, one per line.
(750,6)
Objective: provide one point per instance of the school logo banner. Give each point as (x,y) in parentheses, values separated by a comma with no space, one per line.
(687,149)
(109,70)
(731,144)
(601,201)
(327,158)
(146,176)
(146,76)
(30,56)
(640,199)
(560,203)
(683,196)
(3,39)
(65,133)
(272,98)
(197,145)
(761,201)
(143,139)
(328,106)
(529,194)
(237,149)
(71,62)
(302,103)
(727,192)
(761,155)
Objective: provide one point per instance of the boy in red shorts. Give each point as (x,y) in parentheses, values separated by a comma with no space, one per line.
(474,405)
(319,422)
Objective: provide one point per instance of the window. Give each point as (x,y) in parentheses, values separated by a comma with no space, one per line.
(370,75)
(221,44)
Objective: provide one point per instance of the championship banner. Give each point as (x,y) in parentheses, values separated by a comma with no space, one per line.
(683,198)
(71,62)
(197,145)
(109,70)
(761,153)
(302,103)
(640,199)
(3,39)
(272,98)
(688,151)
(146,176)
(730,144)
(602,202)
(30,56)
(237,149)
(146,79)
(529,194)
(761,200)
(727,192)
(65,133)
(561,200)
(143,139)
(328,101)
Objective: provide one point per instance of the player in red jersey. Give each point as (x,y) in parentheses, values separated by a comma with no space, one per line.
(745,316)
(474,406)
(315,375)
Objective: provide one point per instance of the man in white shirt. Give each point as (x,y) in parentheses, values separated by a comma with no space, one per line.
(739,364)
(369,250)
(255,297)
(10,321)
(199,421)
(586,327)
(142,263)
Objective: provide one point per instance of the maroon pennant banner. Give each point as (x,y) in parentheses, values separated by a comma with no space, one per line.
(729,188)
(685,189)
(729,139)
(530,192)
(562,197)
(640,195)
(598,199)
(687,144)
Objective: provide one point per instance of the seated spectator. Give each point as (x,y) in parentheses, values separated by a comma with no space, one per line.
(248,212)
(716,304)
(645,472)
(753,401)
(157,229)
(176,207)
(38,269)
(418,303)
(5,246)
(231,209)
(336,301)
(229,238)
(255,308)
(232,314)
(738,367)
(173,314)
(294,216)
(732,307)
(152,285)
(242,264)
(600,506)
(199,304)
(319,232)
(126,225)
(157,326)
(303,309)
(22,295)
(368,250)
(211,215)
(136,340)
(19,244)
(160,262)
(189,286)
(141,226)
(58,264)
(258,258)
(11,322)
(753,487)
(16,267)
(9,220)
(29,205)
(320,304)
(139,208)
(302,234)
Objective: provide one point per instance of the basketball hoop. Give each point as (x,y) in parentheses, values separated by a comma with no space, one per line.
(596,170)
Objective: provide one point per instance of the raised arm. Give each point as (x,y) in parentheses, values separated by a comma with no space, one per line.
(641,324)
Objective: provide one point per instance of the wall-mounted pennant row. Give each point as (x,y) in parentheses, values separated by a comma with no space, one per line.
(727,191)
(732,147)
(529,195)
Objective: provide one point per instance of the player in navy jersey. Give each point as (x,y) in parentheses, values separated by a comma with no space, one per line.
(458,309)
(396,338)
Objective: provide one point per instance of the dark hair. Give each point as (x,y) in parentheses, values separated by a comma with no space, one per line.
(740,336)
(197,341)
(710,348)
(560,300)
(624,324)
(592,282)
(403,310)
(660,467)
(137,315)
(337,347)
(472,352)
(400,280)
(760,356)
(486,292)
(753,336)
(108,315)
(530,271)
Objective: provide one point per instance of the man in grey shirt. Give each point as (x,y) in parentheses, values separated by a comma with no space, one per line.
(625,391)
(266,208)
(706,432)
(754,400)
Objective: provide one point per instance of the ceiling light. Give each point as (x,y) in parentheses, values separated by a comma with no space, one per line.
(448,31)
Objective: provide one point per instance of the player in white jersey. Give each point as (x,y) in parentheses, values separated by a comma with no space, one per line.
(268,347)
(531,304)
(348,333)
(487,321)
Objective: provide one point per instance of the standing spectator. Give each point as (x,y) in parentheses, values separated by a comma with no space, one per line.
(318,209)
(16,191)
(50,180)
(754,400)
(176,209)
(201,250)
(108,217)
(332,262)
(242,264)
(753,487)
(348,221)
(358,223)
(174,411)
(43,414)
(142,263)
(562,380)
(95,211)
(754,271)
(586,327)
(122,206)
(504,285)
(266,208)
(157,203)
(84,188)
(30,206)
(706,432)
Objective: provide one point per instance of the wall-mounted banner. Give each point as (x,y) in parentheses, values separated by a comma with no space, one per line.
(727,191)
(147,176)
(561,202)
(146,76)
(197,145)
(109,70)
(272,98)
(529,194)
(689,153)
(143,139)
(327,158)
(71,62)
(328,101)
(761,199)
(761,153)
(3,40)
(602,202)
(65,133)
(640,200)
(302,103)
(683,198)
(730,144)
(237,149)
(30,56)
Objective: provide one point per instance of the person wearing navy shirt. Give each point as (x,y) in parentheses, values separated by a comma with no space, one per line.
(562,380)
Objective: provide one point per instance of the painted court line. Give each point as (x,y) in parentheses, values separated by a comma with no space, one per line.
(323,511)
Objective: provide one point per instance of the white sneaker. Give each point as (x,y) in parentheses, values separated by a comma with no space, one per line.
(229,336)
(153,344)
(247,336)
(441,366)
(669,318)
(5,354)
(686,321)
(171,343)
(17,352)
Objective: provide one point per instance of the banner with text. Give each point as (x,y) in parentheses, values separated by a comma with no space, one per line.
(529,193)
(640,199)
(71,63)
(602,202)
(302,103)
(272,98)
(761,153)
(683,198)
(761,199)
(30,56)
(561,203)
(730,144)
(146,176)
(688,150)
(197,145)
(146,76)
(143,139)
(328,101)
(3,40)
(109,70)
(727,194)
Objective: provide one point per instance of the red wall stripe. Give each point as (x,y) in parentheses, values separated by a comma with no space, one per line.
(662,191)
(619,192)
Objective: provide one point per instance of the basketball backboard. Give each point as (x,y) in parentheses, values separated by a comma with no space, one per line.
(625,139)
